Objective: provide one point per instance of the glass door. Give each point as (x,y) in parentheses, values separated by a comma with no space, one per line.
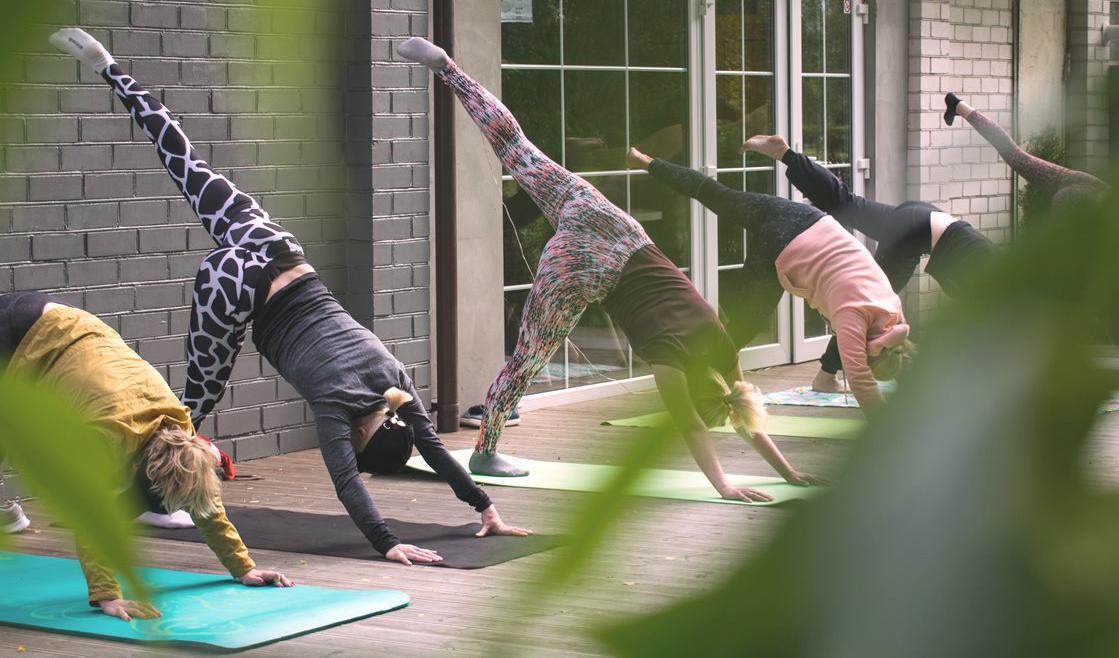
(825,56)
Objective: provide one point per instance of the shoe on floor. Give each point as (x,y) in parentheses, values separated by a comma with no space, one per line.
(473,417)
(174,520)
(12,519)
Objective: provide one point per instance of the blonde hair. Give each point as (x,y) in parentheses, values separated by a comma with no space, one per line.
(892,361)
(181,471)
(394,399)
(746,406)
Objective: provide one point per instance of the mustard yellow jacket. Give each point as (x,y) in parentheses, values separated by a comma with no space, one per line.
(128,400)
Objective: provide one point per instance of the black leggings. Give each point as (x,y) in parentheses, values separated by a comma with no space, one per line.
(771,223)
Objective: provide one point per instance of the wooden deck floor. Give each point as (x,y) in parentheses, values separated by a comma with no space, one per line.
(665,551)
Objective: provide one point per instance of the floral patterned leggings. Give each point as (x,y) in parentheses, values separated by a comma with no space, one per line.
(1059,182)
(580,264)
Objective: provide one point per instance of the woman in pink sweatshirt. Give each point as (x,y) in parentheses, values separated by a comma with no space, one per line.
(796,247)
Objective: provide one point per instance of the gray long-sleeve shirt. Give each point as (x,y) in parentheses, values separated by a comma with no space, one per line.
(342,370)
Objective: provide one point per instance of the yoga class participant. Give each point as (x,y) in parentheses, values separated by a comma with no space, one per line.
(131,405)
(800,249)
(1056,182)
(904,234)
(259,274)
(601,254)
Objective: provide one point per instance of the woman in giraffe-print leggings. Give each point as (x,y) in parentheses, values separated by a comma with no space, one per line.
(1056,182)
(601,254)
(367,412)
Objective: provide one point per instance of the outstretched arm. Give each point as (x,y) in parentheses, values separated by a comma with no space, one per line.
(851,329)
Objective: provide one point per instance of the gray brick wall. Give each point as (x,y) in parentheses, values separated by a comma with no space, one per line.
(87,212)
(963,46)
(1088,130)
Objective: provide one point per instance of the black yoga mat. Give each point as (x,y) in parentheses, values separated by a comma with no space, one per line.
(335,535)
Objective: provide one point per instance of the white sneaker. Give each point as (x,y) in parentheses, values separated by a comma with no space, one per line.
(174,520)
(12,519)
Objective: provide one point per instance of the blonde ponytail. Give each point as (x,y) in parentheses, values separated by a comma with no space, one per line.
(746,407)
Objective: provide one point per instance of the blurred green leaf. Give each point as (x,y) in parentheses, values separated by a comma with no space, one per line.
(964,523)
(72,467)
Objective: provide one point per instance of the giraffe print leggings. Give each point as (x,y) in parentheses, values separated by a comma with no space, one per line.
(1059,183)
(233,279)
(580,264)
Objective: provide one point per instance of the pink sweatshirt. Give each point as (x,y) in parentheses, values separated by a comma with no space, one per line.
(838,277)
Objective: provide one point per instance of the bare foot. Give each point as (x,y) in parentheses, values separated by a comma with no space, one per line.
(826,382)
(638,160)
(772,146)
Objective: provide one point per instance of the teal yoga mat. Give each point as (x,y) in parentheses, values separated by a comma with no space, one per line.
(202,611)
(809,427)
(655,483)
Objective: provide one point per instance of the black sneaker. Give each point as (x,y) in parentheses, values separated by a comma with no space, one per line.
(473,417)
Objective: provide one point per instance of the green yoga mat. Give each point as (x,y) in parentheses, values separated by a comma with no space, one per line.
(201,611)
(815,427)
(655,483)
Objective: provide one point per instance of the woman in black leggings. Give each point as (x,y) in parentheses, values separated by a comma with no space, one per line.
(904,234)
(258,274)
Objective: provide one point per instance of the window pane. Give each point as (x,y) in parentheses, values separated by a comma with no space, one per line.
(665,216)
(813,117)
(732,239)
(812,35)
(839,119)
(594,32)
(758,39)
(838,41)
(550,378)
(814,323)
(728,35)
(525,232)
(532,39)
(598,351)
(658,33)
(658,106)
(729,126)
(595,116)
(534,99)
(731,285)
(759,115)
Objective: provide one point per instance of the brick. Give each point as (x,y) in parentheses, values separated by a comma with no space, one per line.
(55,188)
(163,350)
(15,248)
(301,438)
(82,273)
(143,269)
(39,218)
(412,351)
(32,100)
(106,129)
(184,44)
(156,72)
(280,100)
(108,186)
(410,202)
(154,184)
(86,157)
(111,243)
(154,240)
(232,45)
(31,159)
(84,216)
(51,130)
(254,393)
(47,69)
(203,73)
(250,73)
(393,328)
(251,128)
(55,246)
(204,128)
(160,296)
(250,447)
(103,12)
(411,301)
(39,277)
(240,421)
(152,15)
(135,42)
(109,300)
(187,100)
(143,213)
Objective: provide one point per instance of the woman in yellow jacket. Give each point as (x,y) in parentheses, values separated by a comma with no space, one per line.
(130,403)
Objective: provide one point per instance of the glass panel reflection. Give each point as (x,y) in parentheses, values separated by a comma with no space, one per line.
(658,33)
(532,39)
(658,114)
(595,120)
(533,96)
(594,33)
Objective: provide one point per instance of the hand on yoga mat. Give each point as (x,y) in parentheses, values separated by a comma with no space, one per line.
(126,610)
(745,493)
(407,554)
(493,525)
(259,577)
(805,479)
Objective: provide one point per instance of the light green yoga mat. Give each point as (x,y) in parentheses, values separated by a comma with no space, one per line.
(801,426)
(201,611)
(655,483)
